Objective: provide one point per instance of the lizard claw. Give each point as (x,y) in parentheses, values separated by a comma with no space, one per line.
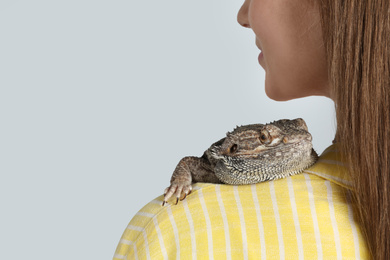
(185,195)
(179,190)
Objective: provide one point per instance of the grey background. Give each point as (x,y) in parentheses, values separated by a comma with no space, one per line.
(100,99)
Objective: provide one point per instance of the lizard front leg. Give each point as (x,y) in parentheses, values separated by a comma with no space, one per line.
(190,169)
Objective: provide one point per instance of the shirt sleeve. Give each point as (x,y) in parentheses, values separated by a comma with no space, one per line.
(299,217)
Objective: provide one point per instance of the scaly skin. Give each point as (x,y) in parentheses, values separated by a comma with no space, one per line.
(249,154)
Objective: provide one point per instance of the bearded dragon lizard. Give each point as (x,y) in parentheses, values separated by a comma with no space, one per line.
(249,154)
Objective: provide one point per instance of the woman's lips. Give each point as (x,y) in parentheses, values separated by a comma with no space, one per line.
(261,51)
(260,56)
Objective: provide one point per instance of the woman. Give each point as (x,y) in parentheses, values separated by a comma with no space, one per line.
(348,63)
(333,48)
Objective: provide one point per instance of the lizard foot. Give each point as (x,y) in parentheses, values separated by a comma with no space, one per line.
(179,190)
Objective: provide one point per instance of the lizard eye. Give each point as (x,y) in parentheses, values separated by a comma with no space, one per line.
(264,137)
(234,148)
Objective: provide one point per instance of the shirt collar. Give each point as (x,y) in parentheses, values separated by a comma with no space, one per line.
(330,167)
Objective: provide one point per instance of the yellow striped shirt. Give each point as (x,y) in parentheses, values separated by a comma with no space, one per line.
(306,216)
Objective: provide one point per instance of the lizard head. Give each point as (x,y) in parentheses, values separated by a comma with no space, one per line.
(255,153)
(257,140)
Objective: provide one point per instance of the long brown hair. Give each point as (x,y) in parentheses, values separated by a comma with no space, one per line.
(357,41)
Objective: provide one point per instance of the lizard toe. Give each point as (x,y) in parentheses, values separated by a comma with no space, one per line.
(169,192)
(178,193)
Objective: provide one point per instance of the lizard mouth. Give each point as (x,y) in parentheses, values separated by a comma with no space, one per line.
(291,159)
(266,152)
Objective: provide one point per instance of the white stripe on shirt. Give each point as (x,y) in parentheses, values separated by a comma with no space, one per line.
(314,217)
(225,222)
(175,231)
(277,219)
(333,219)
(242,221)
(192,229)
(295,216)
(208,224)
(259,222)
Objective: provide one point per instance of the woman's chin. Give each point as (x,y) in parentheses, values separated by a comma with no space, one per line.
(274,93)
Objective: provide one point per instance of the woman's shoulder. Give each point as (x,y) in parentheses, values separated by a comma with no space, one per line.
(307,215)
